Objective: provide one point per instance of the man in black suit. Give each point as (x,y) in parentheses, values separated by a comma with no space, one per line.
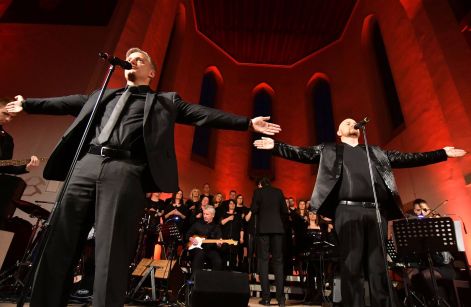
(343,192)
(269,208)
(129,151)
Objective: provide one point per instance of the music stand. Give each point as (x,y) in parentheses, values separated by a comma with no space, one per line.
(170,235)
(422,237)
(391,251)
(320,247)
(411,298)
(169,232)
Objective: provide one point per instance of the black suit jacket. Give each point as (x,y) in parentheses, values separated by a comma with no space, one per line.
(268,204)
(161,112)
(330,159)
(6,153)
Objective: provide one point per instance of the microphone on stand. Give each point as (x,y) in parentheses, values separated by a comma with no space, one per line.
(115,60)
(362,123)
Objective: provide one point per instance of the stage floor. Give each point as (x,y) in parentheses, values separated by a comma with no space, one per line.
(253,302)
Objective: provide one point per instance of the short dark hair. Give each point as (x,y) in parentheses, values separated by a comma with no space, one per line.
(419,201)
(264,181)
(148,57)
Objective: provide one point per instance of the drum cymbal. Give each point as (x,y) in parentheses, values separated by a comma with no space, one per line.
(32,209)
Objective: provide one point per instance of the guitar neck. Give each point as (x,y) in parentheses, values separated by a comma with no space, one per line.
(218,241)
(18,162)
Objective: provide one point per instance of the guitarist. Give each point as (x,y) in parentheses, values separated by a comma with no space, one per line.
(209,229)
(6,145)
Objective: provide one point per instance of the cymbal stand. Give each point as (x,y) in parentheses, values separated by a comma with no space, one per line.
(15,270)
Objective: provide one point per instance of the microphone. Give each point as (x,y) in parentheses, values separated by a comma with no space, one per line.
(362,123)
(115,60)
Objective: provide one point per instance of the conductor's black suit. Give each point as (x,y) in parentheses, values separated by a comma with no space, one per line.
(269,207)
(109,191)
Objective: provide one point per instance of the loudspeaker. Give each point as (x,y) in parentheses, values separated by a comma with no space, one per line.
(220,288)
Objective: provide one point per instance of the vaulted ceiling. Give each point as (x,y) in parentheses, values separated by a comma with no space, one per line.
(279,32)
(83,12)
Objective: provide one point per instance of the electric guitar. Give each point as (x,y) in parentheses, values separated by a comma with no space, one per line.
(18,162)
(200,241)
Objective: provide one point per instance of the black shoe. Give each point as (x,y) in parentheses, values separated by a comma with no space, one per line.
(264,302)
(281,303)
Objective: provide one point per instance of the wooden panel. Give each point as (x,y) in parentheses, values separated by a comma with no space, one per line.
(162,267)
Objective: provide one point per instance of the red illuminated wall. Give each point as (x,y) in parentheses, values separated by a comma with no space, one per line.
(428,55)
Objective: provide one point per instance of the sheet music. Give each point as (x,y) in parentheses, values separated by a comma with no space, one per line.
(459,236)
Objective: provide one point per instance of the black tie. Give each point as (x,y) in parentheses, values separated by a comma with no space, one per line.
(106,132)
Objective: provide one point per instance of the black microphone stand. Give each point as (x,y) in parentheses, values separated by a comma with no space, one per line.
(378,217)
(49,225)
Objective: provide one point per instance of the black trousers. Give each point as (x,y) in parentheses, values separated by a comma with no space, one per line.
(361,254)
(200,256)
(106,193)
(229,257)
(273,243)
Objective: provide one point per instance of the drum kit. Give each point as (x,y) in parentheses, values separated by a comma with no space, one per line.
(11,279)
(168,237)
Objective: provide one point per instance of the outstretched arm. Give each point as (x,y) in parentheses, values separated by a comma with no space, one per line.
(295,153)
(66,105)
(198,115)
(402,159)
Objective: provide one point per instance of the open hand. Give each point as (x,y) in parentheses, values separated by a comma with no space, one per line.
(453,152)
(16,106)
(264,143)
(261,125)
